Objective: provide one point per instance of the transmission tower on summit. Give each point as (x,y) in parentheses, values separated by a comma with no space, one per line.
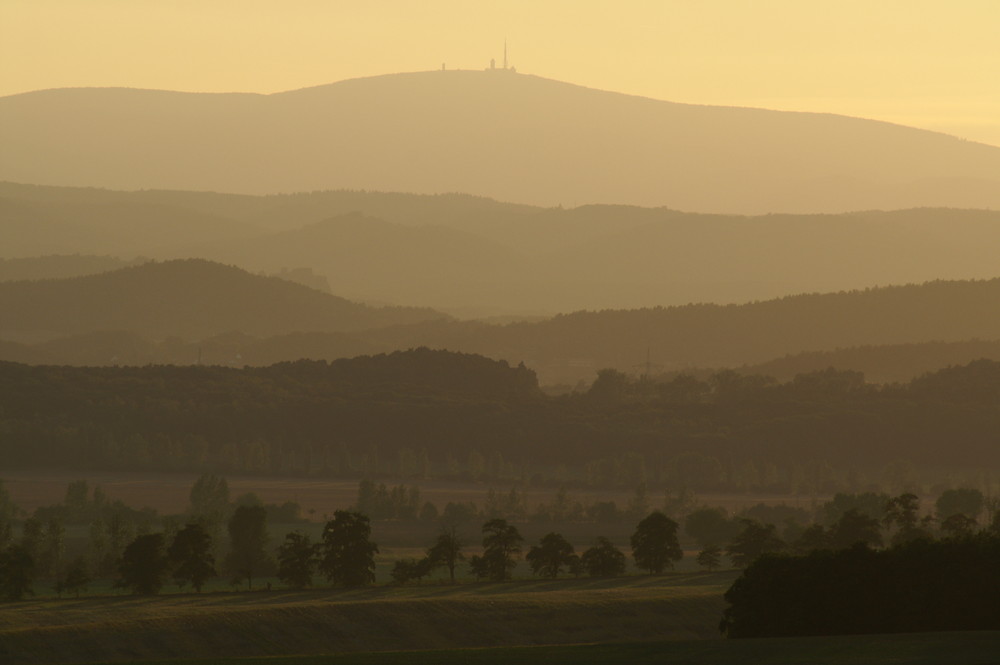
(506,65)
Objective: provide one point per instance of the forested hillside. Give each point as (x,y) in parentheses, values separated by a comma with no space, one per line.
(186,298)
(477,257)
(428,413)
(896,333)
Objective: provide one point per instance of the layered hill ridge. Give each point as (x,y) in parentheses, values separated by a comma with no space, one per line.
(897,332)
(510,136)
(185,298)
(478,257)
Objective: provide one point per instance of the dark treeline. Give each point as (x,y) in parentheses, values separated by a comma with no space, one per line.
(920,585)
(424,413)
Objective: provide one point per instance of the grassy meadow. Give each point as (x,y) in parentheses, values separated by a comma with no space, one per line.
(679,606)
(966,648)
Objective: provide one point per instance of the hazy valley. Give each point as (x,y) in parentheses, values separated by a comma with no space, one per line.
(691,351)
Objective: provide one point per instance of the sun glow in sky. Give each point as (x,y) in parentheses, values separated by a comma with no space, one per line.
(931,64)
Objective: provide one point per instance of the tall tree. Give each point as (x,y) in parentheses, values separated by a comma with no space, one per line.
(754,540)
(348,553)
(191,556)
(501,545)
(965,501)
(17,572)
(210,504)
(654,543)
(75,578)
(144,565)
(406,570)
(297,560)
(710,526)
(903,512)
(446,551)
(709,558)
(550,555)
(52,548)
(958,525)
(603,559)
(8,511)
(247,540)
(855,527)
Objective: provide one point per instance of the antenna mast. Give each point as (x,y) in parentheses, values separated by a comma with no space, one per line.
(505,53)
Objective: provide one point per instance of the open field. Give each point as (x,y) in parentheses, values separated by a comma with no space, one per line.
(967,648)
(252,624)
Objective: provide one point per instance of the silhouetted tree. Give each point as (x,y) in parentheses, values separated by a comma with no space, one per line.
(654,543)
(191,556)
(8,511)
(348,554)
(855,527)
(754,540)
(74,579)
(609,387)
(603,559)
(17,572)
(446,551)
(710,557)
(965,501)
(710,526)
(297,560)
(903,513)
(813,537)
(247,540)
(210,504)
(501,545)
(32,536)
(550,555)
(51,548)
(144,565)
(958,525)
(406,570)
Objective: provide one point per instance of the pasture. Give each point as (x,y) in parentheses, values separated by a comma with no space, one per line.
(967,648)
(679,606)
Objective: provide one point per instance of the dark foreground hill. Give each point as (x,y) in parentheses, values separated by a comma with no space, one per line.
(495,133)
(185,298)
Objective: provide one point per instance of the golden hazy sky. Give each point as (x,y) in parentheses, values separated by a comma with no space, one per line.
(926,63)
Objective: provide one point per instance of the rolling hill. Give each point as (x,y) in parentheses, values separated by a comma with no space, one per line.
(477,257)
(892,333)
(509,136)
(184,298)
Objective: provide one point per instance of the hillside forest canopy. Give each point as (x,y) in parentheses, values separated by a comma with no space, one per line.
(436,414)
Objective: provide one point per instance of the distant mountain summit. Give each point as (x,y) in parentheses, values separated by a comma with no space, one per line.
(495,133)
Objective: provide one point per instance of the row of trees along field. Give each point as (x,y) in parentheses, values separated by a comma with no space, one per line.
(425,414)
(126,547)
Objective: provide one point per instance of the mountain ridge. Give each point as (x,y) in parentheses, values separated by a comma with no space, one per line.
(475,256)
(509,136)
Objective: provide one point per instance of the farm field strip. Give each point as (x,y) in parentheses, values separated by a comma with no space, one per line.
(967,648)
(377,619)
